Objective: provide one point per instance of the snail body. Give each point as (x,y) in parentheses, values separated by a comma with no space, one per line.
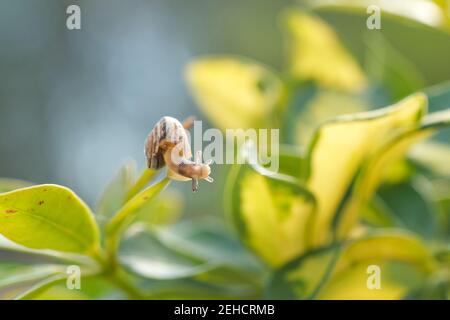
(168,144)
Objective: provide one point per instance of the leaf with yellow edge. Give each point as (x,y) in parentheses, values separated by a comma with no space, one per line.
(411,257)
(48,217)
(270,211)
(387,155)
(303,276)
(234,92)
(324,272)
(325,106)
(315,53)
(339,148)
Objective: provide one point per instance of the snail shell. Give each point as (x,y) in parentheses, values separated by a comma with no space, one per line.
(167,133)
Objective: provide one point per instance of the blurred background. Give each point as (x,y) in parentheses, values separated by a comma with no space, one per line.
(75,104)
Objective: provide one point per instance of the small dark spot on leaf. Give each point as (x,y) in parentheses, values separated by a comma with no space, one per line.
(145,198)
(41,202)
(263,85)
(9,211)
(45,190)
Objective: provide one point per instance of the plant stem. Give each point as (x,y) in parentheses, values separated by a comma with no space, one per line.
(116,224)
(140,183)
(126,214)
(113,270)
(119,278)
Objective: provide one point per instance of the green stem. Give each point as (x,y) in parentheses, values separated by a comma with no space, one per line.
(134,201)
(127,213)
(140,183)
(120,279)
(118,222)
(327,274)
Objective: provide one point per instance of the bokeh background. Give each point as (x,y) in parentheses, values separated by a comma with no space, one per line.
(75,104)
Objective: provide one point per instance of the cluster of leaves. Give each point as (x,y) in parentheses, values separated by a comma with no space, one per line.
(357,186)
(351,192)
(130,244)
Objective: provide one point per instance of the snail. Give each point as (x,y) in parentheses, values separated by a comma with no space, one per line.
(168,144)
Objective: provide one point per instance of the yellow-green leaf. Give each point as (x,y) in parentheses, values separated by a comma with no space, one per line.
(387,155)
(394,253)
(315,53)
(325,106)
(340,271)
(271,211)
(234,92)
(48,217)
(339,148)
(302,277)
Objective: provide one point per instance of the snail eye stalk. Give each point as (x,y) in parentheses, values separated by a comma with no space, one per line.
(197,161)
(194,185)
(209,179)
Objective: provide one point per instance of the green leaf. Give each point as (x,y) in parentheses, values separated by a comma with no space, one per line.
(439,98)
(145,255)
(433,157)
(372,173)
(192,289)
(92,288)
(403,34)
(14,274)
(435,288)
(410,207)
(114,196)
(208,241)
(129,211)
(377,214)
(302,277)
(340,147)
(270,211)
(7,184)
(48,217)
(41,287)
(15,252)
(316,53)
(340,271)
(165,209)
(234,92)
(413,11)
(17,280)
(391,69)
(403,260)
(60,292)
(292,162)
